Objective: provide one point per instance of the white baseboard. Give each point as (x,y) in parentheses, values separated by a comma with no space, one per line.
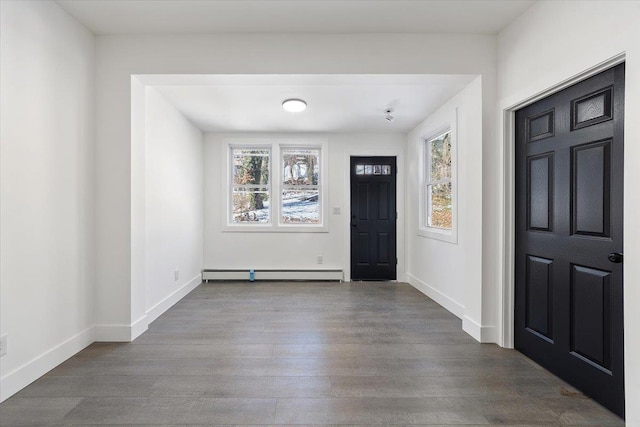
(128,333)
(154,312)
(113,333)
(489,334)
(442,299)
(21,377)
(472,328)
(139,327)
(483,334)
(18,379)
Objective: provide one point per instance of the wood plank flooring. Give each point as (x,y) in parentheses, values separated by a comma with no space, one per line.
(300,353)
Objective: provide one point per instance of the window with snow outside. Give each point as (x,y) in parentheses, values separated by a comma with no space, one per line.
(300,186)
(250,199)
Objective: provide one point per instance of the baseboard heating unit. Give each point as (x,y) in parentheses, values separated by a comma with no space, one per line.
(269,274)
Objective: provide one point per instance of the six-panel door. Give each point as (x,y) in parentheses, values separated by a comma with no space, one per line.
(569,189)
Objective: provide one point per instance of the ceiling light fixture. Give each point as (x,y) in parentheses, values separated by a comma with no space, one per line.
(294,105)
(388,117)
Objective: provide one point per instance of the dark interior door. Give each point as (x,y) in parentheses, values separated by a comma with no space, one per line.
(373,218)
(569,160)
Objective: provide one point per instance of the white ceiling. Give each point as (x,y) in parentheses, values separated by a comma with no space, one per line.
(295,16)
(336,103)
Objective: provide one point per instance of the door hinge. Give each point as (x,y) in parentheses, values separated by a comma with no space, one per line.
(396,261)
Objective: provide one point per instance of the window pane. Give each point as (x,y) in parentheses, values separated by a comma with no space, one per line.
(250,206)
(440,157)
(300,206)
(300,166)
(439,205)
(250,166)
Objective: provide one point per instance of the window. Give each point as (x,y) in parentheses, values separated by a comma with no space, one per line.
(438,188)
(251,190)
(373,169)
(300,203)
(276,185)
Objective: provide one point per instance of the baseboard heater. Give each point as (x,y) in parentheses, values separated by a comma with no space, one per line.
(272,274)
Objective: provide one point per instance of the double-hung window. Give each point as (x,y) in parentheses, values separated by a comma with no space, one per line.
(438,187)
(251,189)
(300,203)
(276,186)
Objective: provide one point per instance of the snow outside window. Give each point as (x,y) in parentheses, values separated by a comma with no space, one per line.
(275,185)
(251,192)
(300,186)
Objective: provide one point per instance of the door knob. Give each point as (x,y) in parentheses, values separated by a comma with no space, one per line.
(615,257)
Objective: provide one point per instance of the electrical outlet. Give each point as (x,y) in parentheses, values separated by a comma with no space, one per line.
(320,259)
(336,210)
(176,275)
(3,345)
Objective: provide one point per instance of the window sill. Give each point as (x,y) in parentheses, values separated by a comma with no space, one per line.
(269,228)
(449,236)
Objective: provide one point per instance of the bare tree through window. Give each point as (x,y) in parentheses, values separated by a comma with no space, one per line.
(250,198)
(300,202)
(438,182)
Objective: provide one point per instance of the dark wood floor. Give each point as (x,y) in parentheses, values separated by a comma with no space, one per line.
(302,353)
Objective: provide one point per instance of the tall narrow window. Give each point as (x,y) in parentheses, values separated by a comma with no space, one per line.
(300,203)
(250,199)
(438,190)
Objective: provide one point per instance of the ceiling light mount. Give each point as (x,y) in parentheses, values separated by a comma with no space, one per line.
(294,105)
(387,115)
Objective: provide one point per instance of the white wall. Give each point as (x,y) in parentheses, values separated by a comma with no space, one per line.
(242,250)
(120,301)
(551,43)
(47,189)
(47,178)
(451,272)
(173,204)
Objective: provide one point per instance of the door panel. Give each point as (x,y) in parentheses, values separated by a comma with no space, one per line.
(384,255)
(362,251)
(373,218)
(592,109)
(591,177)
(540,192)
(540,126)
(362,197)
(590,316)
(383,201)
(569,186)
(539,313)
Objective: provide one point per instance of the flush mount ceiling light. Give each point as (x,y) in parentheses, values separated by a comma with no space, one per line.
(294,105)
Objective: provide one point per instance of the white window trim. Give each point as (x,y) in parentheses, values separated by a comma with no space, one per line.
(230,145)
(275,146)
(424,230)
(322,198)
